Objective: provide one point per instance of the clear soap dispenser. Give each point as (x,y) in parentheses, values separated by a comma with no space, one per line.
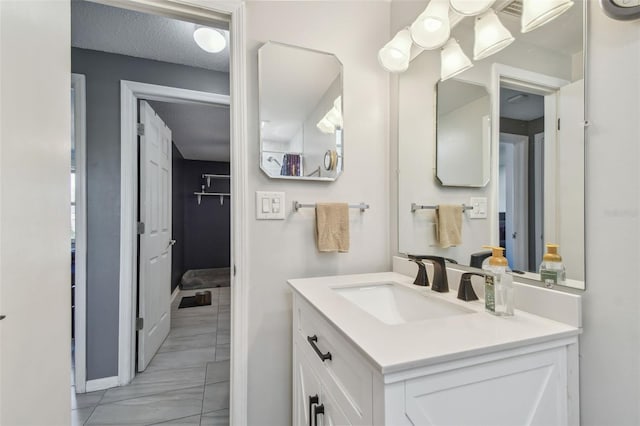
(498,283)
(552,269)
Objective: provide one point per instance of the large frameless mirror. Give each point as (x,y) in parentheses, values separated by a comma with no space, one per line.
(535,191)
(301,124)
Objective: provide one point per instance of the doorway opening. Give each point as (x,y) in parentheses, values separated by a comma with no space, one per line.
(521,177)
(160,87)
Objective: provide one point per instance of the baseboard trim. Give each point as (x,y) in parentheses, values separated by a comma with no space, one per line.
(175,293)
(101,384)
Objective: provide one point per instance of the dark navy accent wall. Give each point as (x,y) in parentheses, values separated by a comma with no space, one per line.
(178,196)
(207,226)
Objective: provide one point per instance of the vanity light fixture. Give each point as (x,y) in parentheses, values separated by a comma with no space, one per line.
(536,13)
(490,35)
(395,55)
(209,40)
(431,29)
(471,7)
(332,120)
(453,61)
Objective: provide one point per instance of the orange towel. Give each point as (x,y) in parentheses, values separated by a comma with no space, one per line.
(332,227)
(449,225)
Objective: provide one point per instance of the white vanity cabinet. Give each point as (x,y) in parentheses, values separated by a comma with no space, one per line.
(524,384)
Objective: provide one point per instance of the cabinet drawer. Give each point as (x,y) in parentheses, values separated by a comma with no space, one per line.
(346,375)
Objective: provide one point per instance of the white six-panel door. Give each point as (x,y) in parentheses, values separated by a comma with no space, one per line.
(155,241)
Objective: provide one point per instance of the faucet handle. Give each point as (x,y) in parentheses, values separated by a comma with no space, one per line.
(422,278)
(465,289)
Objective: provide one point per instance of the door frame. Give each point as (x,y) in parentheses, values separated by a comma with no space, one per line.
(205,11)
(130,93)
(78,84)
(541,84)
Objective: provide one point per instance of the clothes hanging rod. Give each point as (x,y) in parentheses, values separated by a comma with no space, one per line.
(297,205)
(415,207)
(209,176)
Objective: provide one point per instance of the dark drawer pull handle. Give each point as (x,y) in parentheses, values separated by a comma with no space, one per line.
(312,400)
(319,409)
(312,341)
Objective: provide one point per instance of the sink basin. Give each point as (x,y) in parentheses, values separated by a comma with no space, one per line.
(393,303)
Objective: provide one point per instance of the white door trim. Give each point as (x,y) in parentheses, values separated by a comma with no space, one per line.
(80,324)
(532,82)
(208,10)
(130,92)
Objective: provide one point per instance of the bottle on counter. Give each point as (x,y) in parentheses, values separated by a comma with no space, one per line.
(552,271)
(498,283)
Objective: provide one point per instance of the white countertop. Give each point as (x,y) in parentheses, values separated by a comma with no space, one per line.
(394,348)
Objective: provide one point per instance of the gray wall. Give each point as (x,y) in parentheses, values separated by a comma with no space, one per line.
(103,73)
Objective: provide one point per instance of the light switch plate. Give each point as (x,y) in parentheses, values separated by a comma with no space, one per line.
(270,205)
(479,205)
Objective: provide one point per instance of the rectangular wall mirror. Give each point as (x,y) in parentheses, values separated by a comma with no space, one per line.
(534,192)
(301,124)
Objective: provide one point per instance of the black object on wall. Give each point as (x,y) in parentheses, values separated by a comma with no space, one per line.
(103,72)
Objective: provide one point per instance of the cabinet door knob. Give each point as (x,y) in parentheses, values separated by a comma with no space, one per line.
(318,409)
(312,400)
(2,317)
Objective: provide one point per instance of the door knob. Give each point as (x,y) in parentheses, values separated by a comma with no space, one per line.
(171,243)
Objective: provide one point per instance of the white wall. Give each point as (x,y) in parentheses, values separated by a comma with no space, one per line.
(35,258)
(610,345)
(353,31)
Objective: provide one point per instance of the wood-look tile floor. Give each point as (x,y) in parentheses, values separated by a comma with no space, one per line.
(186,382)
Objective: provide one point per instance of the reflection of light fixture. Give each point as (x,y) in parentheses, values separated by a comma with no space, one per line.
(536,13)
(517,98)
(431,28)
(395,55)
(332,120)
(471,7)
(491,35)
(325,126)
(209,40)
(453,61)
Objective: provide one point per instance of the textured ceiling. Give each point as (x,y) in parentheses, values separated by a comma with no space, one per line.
(110,29)
(201,132)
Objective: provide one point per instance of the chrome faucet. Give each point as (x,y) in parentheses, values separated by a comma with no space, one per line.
(440,283)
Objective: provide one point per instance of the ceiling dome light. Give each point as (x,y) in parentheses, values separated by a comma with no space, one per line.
(209,40)
(453,61)
(431,28)
(536,13)
(471,7)
(395,55)
(491,35)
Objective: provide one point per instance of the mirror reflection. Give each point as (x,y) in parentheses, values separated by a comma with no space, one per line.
(300,102)
(463,125)
(535,190)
